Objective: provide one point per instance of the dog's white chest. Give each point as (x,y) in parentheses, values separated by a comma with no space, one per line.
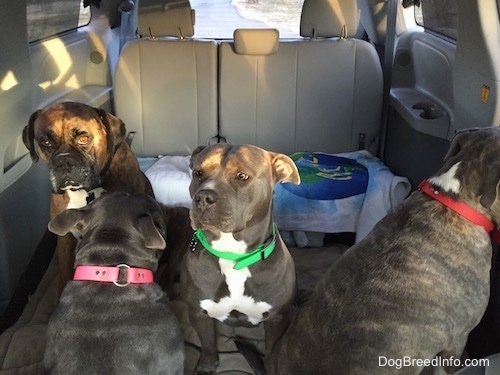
(78,198)
(235,280)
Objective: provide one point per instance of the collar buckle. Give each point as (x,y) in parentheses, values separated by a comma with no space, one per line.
(124,267)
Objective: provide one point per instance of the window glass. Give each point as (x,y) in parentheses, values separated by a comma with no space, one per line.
(439,16)
(50,17)
(219,19)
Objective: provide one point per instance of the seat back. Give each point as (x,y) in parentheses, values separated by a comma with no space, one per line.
(319,93)
(165,84)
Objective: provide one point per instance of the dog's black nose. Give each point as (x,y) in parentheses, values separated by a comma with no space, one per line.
(64,162)
(205,198)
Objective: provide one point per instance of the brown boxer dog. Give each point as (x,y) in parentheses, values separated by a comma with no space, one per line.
(86,153)
(239,270)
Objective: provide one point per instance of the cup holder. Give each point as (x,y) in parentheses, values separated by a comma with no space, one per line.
(430,110)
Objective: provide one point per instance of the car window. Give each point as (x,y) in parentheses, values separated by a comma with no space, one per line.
(51,17)
(216,19)
(439,16)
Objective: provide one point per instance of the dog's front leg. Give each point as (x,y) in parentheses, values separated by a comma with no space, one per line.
(205,328)
(274,328)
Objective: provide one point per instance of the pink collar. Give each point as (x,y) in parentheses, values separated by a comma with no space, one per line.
(112,274)
(462,209)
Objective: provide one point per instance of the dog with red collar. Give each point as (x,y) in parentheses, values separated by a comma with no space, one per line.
(112,318)
(416,285)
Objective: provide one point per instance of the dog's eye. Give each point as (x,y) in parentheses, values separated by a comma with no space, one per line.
(241,176)
(45,143)
(83,140)
(197,173)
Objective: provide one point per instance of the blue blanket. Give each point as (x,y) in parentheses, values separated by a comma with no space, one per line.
(335,190)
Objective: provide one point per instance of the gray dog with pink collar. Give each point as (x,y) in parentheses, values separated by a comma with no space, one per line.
(113,318)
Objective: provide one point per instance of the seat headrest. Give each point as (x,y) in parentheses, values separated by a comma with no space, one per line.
(256,41)
(329,18)
(161,18)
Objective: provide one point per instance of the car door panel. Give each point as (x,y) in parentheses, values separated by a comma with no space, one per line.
(421,105)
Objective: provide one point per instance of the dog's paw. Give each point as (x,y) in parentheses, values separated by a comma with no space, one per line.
(205,371)
(206,366)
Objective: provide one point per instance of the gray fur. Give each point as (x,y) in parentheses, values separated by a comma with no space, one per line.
(414,287)
(100,328)
(244,210)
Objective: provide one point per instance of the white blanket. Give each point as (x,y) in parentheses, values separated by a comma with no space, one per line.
(170,177)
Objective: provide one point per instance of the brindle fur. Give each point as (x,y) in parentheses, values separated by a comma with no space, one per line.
(414,287)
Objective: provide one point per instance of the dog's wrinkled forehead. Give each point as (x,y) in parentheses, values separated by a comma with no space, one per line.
(230,159)
(64,117)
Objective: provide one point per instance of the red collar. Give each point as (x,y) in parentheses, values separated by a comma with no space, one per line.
(112,274)
(462,209)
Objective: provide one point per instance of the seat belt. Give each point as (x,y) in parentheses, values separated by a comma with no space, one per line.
(390,40)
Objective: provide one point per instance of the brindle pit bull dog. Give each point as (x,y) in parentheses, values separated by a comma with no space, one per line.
(113,318)
(86,153)
(416,285)
(239,271)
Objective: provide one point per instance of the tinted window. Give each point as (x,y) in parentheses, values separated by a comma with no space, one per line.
(50,17)
(439,16)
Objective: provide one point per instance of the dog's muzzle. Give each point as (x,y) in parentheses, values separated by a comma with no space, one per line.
(71,171)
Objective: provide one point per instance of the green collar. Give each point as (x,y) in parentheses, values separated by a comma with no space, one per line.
(261,252)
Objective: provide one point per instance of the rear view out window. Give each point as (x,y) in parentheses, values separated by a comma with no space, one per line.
(50,17)
(439,16)
(218,19)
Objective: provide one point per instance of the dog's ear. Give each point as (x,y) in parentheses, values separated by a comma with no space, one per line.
(71,220)
(115,128)
(195,153)
(29,135)
(285,169)
(456,146)
(459,141)
(151,232)
(489,193)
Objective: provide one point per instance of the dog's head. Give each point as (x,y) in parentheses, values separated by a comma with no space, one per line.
(76,141)
(232,186)
(471,170)
(114,229)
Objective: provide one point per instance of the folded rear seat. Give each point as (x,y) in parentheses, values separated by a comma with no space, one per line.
(165,84)
(319,93)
